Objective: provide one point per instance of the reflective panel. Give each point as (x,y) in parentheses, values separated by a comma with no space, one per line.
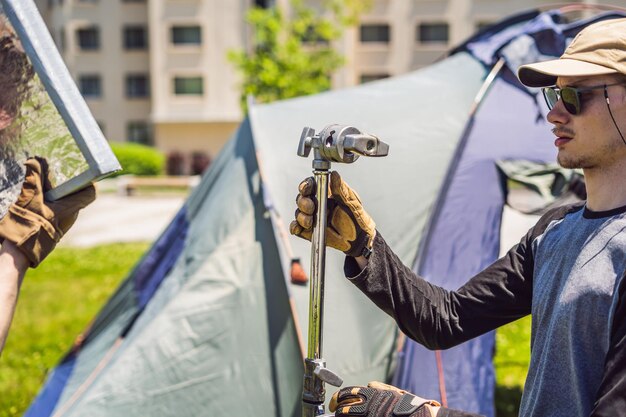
(30,124)
(41,111)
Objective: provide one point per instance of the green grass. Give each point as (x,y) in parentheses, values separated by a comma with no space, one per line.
(57,301)
(511,362)
(61,296)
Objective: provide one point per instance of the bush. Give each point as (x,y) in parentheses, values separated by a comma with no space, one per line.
(138,159)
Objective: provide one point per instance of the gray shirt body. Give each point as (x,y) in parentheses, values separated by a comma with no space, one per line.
(568,272)
(580,261)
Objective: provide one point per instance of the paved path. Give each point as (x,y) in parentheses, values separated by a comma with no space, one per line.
(113,218)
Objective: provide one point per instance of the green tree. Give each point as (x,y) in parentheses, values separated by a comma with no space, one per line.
(292,55)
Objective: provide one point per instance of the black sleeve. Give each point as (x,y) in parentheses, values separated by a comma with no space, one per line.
(438,318)
(611,397)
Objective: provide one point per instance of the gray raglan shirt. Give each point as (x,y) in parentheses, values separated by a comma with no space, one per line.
(568,271)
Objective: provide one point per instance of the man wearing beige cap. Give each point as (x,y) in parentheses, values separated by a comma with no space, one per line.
(568,271)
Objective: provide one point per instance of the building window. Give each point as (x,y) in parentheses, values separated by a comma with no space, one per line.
(137,86)
(88,38)
(90,86)
(135,37)
(175,163)
(264,3)
(433,33)
(139,132)
(483,25)
(200,161)
(375,33)
(186,35)
(312,37)
(366,78)
(61,39)
(184,86)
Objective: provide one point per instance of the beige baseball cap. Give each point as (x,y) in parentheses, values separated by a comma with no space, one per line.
(598,49)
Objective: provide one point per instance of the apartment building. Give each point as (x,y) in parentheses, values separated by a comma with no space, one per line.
(105,46)
(398,36)
(195,103)
(156,72)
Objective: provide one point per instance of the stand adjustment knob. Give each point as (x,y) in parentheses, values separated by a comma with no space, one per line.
(328,376)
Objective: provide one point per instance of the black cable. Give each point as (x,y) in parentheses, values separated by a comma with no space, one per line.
(606,96)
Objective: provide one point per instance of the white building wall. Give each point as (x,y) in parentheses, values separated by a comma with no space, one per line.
(111,61)
(223,29)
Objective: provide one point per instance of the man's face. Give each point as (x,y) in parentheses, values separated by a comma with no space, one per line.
(590,139)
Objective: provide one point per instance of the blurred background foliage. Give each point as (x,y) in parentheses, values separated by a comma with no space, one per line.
(137,159)
(292,55)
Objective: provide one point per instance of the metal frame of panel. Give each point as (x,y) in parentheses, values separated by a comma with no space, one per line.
(54,75)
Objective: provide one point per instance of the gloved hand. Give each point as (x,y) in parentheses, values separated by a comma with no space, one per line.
(34,225)
(349,228)
(381,400)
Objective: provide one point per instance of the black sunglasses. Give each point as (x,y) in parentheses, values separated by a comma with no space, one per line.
(570,96)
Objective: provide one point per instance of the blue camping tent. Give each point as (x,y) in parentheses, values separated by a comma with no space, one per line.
(208,322)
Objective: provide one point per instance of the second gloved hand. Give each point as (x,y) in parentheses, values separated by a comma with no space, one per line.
(36,225)
(349,228)
(380,400)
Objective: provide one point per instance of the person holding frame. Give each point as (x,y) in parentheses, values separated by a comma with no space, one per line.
(32,226)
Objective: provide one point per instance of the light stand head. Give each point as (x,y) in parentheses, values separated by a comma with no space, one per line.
(337,143)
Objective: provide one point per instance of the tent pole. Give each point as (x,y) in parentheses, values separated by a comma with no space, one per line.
(423,247)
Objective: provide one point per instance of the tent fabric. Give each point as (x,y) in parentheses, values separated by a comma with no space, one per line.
(118,315)
(208,323)
(115,317)
(49,396)
(141,373)
(195,349)
(421,139)
(216,310)
(549,183)
(162,256)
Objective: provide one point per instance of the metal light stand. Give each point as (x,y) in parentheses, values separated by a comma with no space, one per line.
(342,144)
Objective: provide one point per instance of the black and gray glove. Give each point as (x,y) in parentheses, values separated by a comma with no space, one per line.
(381,400)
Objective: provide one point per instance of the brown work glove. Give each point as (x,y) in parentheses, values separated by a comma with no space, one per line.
(36,225)
(381,400)
(349,228)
